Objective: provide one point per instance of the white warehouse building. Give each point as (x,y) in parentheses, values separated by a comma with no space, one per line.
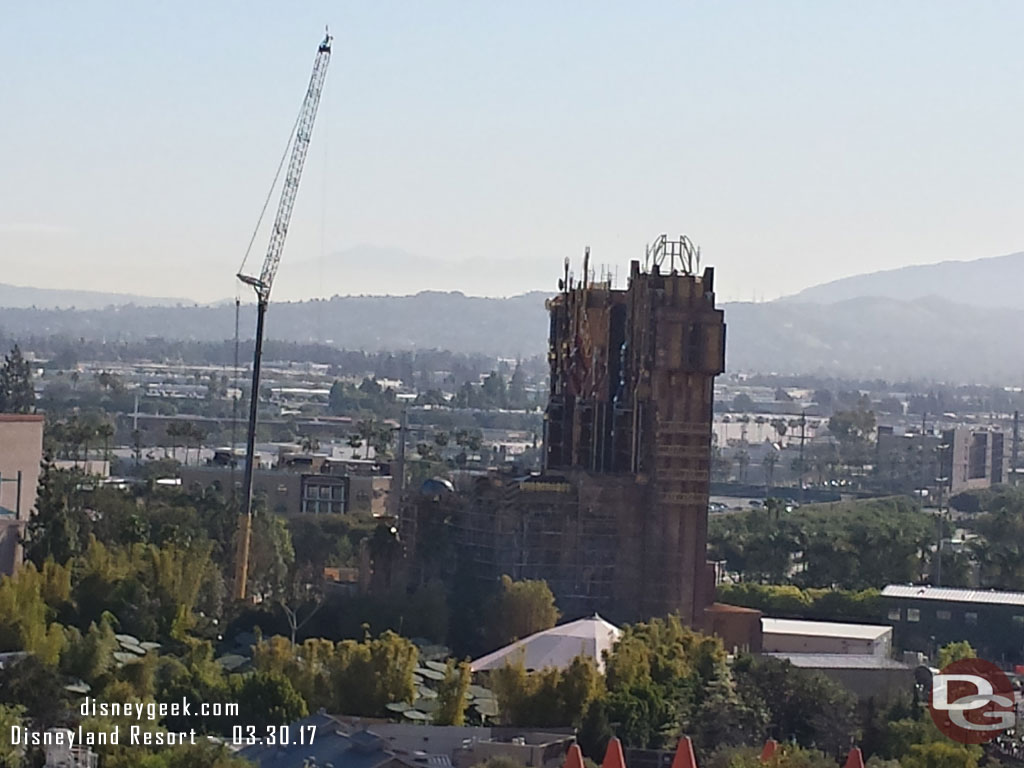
(793,636)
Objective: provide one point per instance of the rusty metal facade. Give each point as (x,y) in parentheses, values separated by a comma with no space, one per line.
(617,521)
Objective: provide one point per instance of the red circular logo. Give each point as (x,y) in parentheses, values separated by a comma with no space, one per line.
(972,701)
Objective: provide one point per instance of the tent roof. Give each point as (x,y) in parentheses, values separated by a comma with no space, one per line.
(556,647)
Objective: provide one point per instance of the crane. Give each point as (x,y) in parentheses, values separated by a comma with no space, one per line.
(262,285)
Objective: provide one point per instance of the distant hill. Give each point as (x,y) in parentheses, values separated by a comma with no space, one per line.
(992,282)
(365,269)
(429,319)
(13,296)
(879,337)
(884,337)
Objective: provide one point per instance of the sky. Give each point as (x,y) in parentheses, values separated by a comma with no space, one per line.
(795,142)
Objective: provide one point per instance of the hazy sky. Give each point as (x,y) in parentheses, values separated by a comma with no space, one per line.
(796,142)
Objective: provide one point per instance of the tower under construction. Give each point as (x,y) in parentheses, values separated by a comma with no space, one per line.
(617,520)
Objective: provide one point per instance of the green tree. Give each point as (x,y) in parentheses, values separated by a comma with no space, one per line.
(55,528)
(90,656)
(807,708)
(11,716)
(786,756)
(520,609)
(17,395)
(451,694)
(367,676)
(272,555)
(36,686)
(266,698)
(105,432)
(724,718)
(956,651)
(548,697)
(517,387)
(939,754)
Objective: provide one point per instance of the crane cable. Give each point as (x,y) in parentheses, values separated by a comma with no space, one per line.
(238,297)
(270,192)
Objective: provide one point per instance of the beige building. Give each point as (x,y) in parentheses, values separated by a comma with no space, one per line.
(792,636)
(21,451)
(292,490)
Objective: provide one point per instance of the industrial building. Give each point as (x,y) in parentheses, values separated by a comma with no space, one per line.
(617,521)
(926,618)
(879,679)
(792,636)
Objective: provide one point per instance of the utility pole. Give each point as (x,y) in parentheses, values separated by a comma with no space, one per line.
(398,473)
(803,467)
(1016,447)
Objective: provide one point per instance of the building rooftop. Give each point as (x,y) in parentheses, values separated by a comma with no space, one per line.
(727,608)
(556,647)
(953,595)
(824,629)
(839,661)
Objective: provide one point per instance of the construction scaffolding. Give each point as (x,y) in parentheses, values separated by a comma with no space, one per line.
(617,522)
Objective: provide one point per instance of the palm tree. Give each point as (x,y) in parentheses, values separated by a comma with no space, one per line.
(174,431)
(198,434)
(742,461)
(768,465)
(105,432)
(367,430)
(81,433)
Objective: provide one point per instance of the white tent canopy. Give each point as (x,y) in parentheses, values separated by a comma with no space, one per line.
(556,647)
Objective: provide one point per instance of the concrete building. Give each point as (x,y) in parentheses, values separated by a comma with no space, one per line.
(791,636)
(305,484)
(617,522)
(974,458)
(869,676)
(21,451)
(907,461)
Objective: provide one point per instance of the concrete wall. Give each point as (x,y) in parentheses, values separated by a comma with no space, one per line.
(882,685)
(790,643)
(21,450)
(369,494)
(282,490)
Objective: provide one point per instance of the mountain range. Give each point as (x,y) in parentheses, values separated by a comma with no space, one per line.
(953,321)
(991,282)
(19,296)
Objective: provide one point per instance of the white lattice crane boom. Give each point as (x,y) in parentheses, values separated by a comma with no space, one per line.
(262,286)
